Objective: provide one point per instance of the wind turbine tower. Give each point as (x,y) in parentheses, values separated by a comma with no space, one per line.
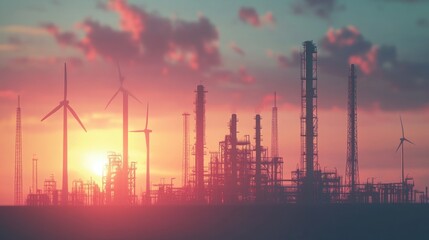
(146,132)
(66,107)
(123,196)
(18,157)
(352,167)
(401,145)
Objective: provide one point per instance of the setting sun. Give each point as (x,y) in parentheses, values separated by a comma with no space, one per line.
(95,162)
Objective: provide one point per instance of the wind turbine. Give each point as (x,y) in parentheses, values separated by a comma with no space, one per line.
(146,132)
(401,145)
(66,107)
(125,94)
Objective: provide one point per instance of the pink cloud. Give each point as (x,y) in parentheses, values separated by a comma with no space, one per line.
(104,41)
(250,16)
(344,36)
(192,60)
(268,18)
(146,37)
(283,61)
(132,19)
(8,94)
(245,76)
(63,38)
(366,62)
(237,49)
(268,101)
(348,45)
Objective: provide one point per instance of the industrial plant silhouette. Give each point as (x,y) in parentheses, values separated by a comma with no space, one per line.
(242,183)
(242,171)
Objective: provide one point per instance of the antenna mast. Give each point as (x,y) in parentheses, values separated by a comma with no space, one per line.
(352,168)
(274,130)
(18,157)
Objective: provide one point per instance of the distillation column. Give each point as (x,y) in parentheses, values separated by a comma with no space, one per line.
(274,130)
(309,148)
(200,142)
(186,151)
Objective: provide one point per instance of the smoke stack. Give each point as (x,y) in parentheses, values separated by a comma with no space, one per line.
(309,151)
(200,142)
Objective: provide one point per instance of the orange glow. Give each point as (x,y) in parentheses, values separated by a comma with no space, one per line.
(95,162)
(163,58)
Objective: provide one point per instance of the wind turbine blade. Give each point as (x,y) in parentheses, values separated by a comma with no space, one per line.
(114,95)
(53,111)
(399,145)
(65,81)
(402,126)
(409,141)
(138,131)
(147,115)
(75,116)
(132,95)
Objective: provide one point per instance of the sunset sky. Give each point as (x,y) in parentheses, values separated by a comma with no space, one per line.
(242,51)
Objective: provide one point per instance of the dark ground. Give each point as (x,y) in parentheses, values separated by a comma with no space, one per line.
(344,222)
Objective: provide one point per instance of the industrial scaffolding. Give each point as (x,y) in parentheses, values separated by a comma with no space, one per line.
(236,176)
(112,192)
(242,170)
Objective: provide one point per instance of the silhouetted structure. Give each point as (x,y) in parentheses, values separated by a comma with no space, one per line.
(66,107)
(78,193)
(123,192)
(200,142)
(241,171)
(309,124)
(258,153)
(352,167)
(132,196)
(49,196)
(34,176)
(111,179)
(146,132)
(18,157)
(186,150)
(257,179)
(401,145)
(232,163)
(274,130)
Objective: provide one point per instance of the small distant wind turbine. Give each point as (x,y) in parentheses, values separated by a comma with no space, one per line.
(147,131)
(65,105)
(401,145)
(125,94)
